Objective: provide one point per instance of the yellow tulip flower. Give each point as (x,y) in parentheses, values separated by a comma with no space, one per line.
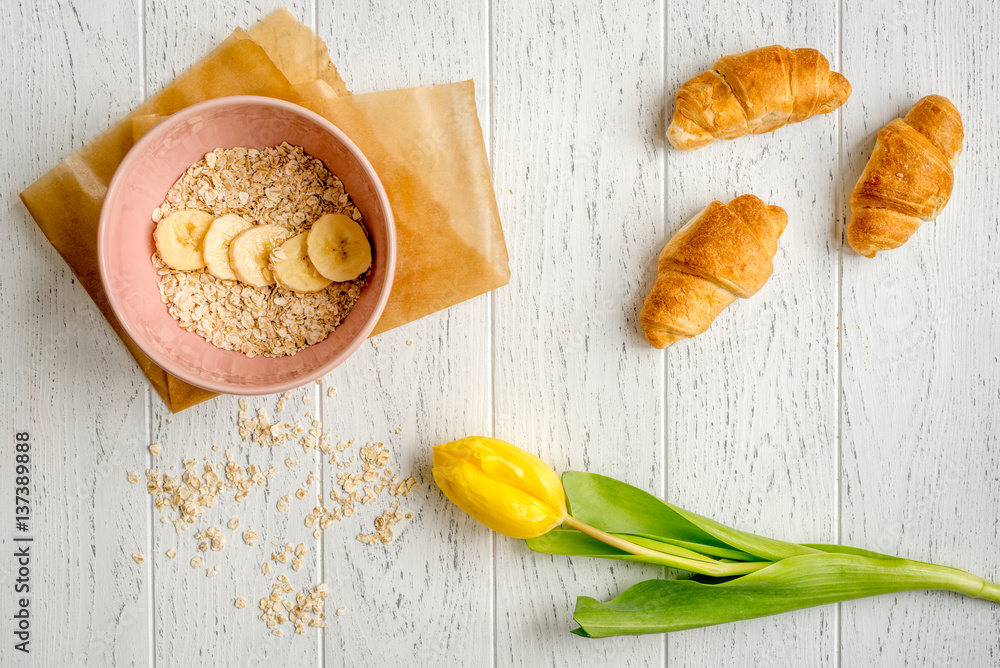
(507,489)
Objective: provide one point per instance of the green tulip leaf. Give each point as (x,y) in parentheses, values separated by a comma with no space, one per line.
(571,542)
(847,549)
(657,606)
(574,543)
(618,508)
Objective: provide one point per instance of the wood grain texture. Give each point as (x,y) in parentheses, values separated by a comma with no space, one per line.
(881,434)
(920,385)
(180,32)
(751,403)
(577,172)
(426,598)
(196,621)
(61,364)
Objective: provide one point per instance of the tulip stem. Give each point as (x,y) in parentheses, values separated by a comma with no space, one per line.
(712,568)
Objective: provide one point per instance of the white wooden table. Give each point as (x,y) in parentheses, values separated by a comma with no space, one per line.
(851,400)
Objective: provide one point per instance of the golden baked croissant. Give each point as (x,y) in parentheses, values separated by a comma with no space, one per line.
(756,91)
(909,177)
(724,252)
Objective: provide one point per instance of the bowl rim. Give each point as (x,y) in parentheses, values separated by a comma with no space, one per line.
(165,363)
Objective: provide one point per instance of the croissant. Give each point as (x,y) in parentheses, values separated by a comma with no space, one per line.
(909,177)
(724,252)
(756,91)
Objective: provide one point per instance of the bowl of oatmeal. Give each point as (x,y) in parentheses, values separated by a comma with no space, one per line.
(246,245)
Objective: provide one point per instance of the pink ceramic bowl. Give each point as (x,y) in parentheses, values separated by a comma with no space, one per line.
(125,240)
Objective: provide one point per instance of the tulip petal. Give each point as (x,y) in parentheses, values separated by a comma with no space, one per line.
(505,488)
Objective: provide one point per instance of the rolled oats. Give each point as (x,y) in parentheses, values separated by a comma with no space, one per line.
(305,611)
(383,526)
(282,186)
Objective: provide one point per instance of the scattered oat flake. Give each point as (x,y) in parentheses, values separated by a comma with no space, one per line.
(305,611)
(133,477)
(194,491)
(138,558)
(154,448)
(341,610)
(363,477)
(240,603)
(213,538)
(383,526)
(374,343)
(410,342)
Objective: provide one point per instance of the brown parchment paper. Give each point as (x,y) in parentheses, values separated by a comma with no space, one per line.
(297,51)
(425,144)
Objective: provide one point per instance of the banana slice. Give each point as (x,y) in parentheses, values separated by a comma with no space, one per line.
(292,268)
(220,234)
(180,238)
(250,250)
(339,248)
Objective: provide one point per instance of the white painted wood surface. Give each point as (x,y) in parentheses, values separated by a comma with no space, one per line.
(850,400)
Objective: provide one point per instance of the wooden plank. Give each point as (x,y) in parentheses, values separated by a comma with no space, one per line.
(62,365)
(578,173)
(920,384)
(751,403)
(179,33)
(426,598)
(196,620)
(195,616)
(578,138)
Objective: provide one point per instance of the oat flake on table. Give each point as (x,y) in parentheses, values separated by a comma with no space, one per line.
(281,186)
